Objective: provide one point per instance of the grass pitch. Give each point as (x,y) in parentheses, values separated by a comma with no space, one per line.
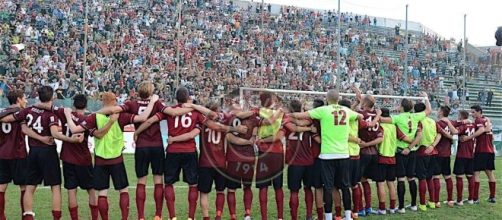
(42,202)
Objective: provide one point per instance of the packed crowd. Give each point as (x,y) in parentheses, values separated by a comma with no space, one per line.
(42,43)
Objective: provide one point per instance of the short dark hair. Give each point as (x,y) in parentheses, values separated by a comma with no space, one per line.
(407,105)
(345,102)
(318,103)
(182,95)
(80,101)
(385,112)
(12,96)
(45,93)
(463,114)
(266,99)
(477,108)
(295,106)
(419,107)
(445,110)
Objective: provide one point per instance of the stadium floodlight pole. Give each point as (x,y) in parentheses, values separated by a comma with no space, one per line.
(338,38)
(262,41)
(177,78)
(405,68)
(84,64)
(464,58)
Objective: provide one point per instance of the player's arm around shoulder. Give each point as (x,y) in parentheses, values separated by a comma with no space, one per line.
(73,127)
(101,132)
(239,141)
(144,115)
(49,140)
(145,125)
(185,109)
(184,137)
(8,112)
(316,113)
(389,120)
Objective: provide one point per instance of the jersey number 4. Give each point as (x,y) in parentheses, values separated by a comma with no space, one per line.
(374,128)
(35,125)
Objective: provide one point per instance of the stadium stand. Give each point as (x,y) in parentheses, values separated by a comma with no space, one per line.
(131,41)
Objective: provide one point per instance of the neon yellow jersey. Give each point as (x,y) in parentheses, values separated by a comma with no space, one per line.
(408,123)
(429,132)
(388,146)
(111,145)
(269,130)
(335,126)
(354,148)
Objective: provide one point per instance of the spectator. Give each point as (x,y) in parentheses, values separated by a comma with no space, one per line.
(220,49)
(489,98)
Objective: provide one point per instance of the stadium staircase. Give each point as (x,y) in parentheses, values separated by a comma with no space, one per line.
(474,86)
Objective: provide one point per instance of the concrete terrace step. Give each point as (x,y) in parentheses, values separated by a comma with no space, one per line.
(477,88)
(471,84)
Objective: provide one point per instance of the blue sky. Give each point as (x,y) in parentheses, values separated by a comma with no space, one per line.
(443,16)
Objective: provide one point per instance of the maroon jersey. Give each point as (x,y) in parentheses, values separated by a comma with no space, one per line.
(90,124)
(316,147)
(12,144)
(298,148)
(484,142)
(212,150)
(368,134)
(179,125)
(242,153)
(151,137)
(73,153)
(444,145)
(38,120)
(466,148)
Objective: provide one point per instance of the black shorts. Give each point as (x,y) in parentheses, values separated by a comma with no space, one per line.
(145,156)
(269,170)
(209,175)
(463,166)
(405,164)
(385,172)
(297,175)
(77,176)
(43,164)
(175,162)
(368,165)
(422,170)
(102,174)
(442,166)
(355,171)
(484,161)
(13,170)
(316,171)
(336,173)
(239,173)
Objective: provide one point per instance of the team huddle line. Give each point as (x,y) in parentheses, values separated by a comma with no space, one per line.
(331,151)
